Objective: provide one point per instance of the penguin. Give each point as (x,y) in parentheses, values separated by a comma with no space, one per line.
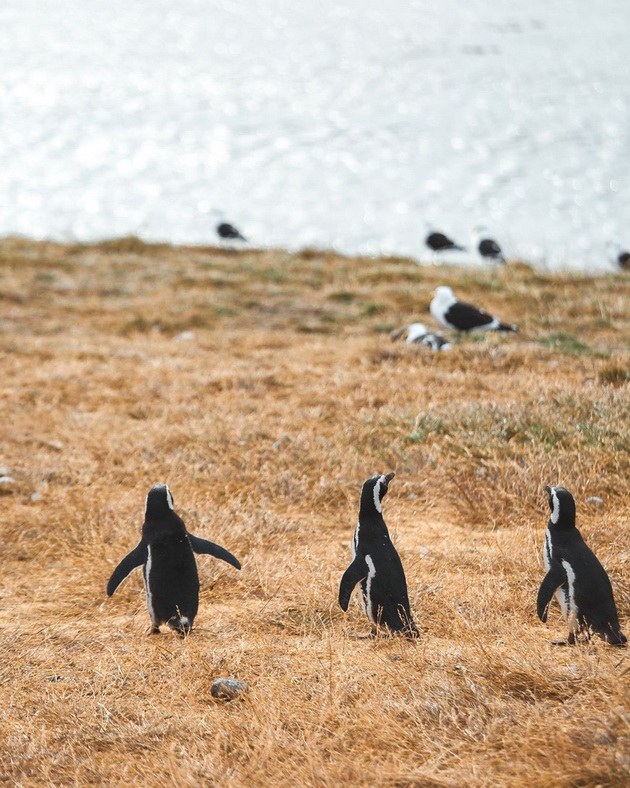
(166,555)
(576,577)
(376,565)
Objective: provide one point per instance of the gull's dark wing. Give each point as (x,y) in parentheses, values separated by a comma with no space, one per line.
(490,248)
(466,316)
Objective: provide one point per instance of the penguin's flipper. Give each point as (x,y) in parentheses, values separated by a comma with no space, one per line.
(137,557)
(204,546)
(554,578)
(357,571)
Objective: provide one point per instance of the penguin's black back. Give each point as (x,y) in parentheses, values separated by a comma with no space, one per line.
(171,569)
(592,590)
(387,587)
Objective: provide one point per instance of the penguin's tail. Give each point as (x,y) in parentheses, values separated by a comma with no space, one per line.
(181,624)
(411,631)
(614,637)
(407,626)
(506,327)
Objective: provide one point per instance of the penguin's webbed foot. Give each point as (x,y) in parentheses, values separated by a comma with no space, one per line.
(180,625)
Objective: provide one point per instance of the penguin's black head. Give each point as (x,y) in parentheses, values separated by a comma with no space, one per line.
(374,490)
(562,507)
(159,502)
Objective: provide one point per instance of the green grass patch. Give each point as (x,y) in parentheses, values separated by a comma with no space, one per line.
(565,343)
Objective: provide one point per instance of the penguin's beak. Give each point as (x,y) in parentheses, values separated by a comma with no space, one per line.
(389,477)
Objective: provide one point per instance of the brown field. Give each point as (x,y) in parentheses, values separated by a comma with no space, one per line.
(265,421)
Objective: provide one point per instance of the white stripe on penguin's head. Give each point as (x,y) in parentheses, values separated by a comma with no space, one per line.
(554,504)
(377,493)
(380,488)
(555,511)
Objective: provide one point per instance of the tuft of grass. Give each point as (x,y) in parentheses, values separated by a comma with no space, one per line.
(613,374)
(130,244)
(371,309)
(565,343)
(342,297)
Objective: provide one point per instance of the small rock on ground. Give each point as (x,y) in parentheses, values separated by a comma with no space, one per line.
(228,689)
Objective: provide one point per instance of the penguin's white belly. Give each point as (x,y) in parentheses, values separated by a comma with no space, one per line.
(366,599)
(569,608)
(355,541)
(147,586)
(561,594)
(547,551)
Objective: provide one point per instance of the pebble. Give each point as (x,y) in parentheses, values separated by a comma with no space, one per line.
(599,502)
(228,689)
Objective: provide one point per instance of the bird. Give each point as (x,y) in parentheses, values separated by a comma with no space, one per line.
(225,230)
(460,316)
(618,255)
(418,333)
(166,555)
(438,242)
(376,565)
(228,232)
(575,576)
(488,248)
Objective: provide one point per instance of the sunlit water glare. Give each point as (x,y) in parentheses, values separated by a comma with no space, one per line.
(345,124)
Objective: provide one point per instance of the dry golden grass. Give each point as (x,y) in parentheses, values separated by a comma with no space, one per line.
(265,422)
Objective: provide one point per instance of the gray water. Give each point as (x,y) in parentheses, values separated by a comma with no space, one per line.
(346,124)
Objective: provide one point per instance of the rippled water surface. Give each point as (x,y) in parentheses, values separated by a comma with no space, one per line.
(346,124)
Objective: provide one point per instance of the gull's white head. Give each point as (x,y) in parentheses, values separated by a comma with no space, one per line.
(479,232)
(443,294)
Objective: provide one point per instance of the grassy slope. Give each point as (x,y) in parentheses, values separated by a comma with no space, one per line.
(265,423)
